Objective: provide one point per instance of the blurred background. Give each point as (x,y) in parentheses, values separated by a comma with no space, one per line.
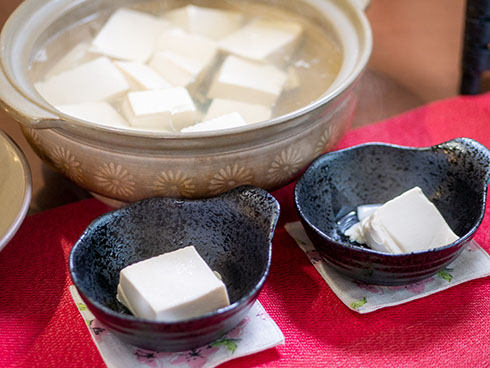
(416,59)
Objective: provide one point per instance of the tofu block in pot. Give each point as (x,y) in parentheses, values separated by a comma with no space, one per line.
(252,113)
(160,109)
(179,70)
(293,80)
(183,58)
(79,54)
(208,22)
(247,81)
(96,80)
(171,287)
(96,112)
(129,35)
(232,120)
(141,76)
(264,39)
(187,44)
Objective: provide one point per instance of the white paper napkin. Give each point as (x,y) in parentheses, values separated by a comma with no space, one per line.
(472,263)
(255,333)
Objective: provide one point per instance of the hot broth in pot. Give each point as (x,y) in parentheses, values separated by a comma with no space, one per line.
(211,65)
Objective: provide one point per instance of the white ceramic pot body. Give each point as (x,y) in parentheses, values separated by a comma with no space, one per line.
(125,166)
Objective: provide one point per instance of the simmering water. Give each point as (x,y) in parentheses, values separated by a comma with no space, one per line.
(317,59)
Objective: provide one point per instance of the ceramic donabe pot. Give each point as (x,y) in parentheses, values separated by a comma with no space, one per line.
(127,166)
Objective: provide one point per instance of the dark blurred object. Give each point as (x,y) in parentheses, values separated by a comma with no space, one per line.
(476,53)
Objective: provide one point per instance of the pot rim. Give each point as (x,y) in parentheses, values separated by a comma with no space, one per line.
(49,117)
(22,207)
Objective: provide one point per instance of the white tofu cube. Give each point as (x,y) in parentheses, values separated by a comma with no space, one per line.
(161,109)
(77,55)
(187,44)
(232,120)
(183,58)
(129,35)
(179,70)
(262,39)
(248,81)
(141,76)
(96,112)
(212,23)
(407,223)
(97,80)
(252,113)
(293,81)
(171,287)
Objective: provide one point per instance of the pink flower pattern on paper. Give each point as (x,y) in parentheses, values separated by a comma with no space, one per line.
(415,288)
(195,358)
(238,330)
(472,246)
(98,329)
(262,316)
(314,256)
(370,288)
(150,358)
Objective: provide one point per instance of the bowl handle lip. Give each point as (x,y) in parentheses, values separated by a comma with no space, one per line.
(275,213)
(22,109)
(461,141)
(470,143)
(274,206)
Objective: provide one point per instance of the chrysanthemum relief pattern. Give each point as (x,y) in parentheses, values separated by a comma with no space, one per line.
(170,184)
(34,135)
(67,163)
(228,178)
(115,179)
(285,166)
(324,141)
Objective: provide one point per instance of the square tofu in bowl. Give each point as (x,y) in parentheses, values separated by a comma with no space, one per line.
(432,202)
(170,275)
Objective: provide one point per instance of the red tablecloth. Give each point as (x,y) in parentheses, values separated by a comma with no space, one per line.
(40,326)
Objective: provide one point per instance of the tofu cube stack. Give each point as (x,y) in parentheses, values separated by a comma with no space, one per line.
(140,70)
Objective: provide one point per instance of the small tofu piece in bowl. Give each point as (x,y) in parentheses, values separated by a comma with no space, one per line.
(173,286)
(146,250)
(404,224)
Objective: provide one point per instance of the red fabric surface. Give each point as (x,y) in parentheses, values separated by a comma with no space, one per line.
(40,326)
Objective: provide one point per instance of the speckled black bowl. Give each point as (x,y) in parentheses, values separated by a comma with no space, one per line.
(453,175)
(232,232)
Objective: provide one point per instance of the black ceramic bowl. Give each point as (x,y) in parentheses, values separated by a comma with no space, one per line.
(453,175)
(232,232)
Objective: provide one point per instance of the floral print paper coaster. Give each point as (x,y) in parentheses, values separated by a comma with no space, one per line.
(472,263)
(255,333)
